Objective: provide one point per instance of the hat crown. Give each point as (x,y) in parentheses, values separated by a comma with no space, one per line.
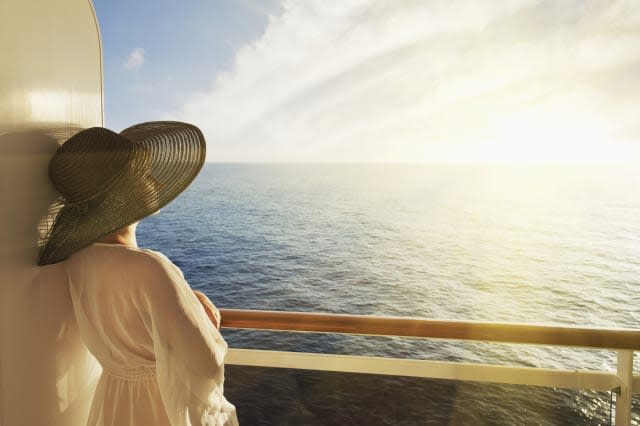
(89,163)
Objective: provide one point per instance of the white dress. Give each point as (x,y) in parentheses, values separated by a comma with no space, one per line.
(162,358)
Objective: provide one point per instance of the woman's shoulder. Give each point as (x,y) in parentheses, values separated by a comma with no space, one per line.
(124,250)
(152,260)
(156,272)
(151,256)
(132,259)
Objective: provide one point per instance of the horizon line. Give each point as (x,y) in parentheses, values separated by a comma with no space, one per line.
(432,163)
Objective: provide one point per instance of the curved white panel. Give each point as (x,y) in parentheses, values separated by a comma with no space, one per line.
(50,85)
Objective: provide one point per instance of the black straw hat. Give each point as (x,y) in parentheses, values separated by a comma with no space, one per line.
(108,180)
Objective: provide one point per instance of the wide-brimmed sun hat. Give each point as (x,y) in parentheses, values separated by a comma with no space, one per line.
(107,181)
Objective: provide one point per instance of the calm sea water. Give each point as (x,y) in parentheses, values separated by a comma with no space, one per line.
(543,244)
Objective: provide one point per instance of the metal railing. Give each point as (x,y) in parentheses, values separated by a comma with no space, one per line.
(625,341)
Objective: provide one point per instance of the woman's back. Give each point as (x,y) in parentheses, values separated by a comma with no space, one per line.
(161,355)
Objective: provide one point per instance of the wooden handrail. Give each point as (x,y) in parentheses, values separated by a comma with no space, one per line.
(604,338)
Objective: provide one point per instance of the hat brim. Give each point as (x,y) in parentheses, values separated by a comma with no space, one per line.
(167,156)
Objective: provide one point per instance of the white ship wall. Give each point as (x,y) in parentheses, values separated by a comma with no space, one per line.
(50,85)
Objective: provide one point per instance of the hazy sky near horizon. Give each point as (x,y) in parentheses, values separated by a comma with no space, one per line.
(381,81)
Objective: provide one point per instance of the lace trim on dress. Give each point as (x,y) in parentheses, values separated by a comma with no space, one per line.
(131,373)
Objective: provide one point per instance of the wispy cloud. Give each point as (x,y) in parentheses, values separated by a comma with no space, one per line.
(430,81)
(135,59)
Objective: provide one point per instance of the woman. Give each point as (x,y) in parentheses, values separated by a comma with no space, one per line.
(156,339)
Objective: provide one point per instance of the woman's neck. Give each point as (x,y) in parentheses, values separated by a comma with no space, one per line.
(125,236)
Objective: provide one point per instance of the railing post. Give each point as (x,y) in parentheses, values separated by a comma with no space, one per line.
(624,394)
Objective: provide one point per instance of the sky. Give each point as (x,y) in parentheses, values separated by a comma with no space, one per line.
(409,81)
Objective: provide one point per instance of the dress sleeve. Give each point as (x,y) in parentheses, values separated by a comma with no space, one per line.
(189,351)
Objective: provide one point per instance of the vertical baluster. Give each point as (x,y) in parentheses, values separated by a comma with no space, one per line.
(623,397)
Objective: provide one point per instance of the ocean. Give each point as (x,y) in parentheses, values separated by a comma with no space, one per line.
(551,244)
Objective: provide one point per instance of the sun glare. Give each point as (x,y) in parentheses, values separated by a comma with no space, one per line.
(556,139)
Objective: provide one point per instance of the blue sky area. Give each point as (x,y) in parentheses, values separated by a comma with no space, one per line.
(180,45)
(507,81)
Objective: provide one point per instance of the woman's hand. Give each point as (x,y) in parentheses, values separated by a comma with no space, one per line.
(209,308)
